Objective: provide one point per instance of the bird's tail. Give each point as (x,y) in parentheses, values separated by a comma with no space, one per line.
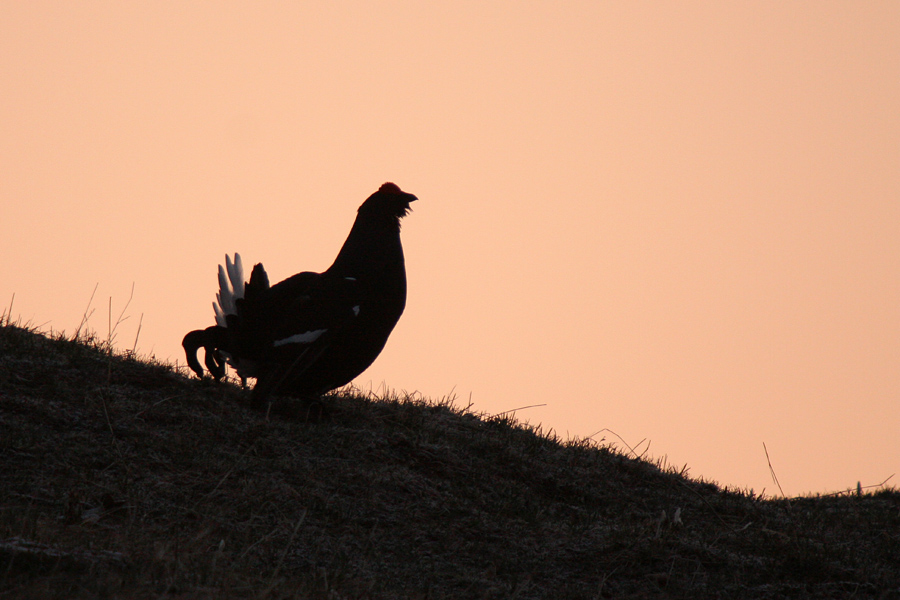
(231,288)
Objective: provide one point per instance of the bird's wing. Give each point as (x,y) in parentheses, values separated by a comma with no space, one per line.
(255,325)
(324,308)
(315,312)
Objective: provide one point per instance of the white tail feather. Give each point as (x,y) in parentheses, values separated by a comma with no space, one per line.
(236,275)
(231,287)
(226,294)
(220,316)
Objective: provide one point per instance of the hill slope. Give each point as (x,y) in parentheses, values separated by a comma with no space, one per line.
(124,479)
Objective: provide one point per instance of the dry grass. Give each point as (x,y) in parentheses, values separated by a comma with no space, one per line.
(123,478)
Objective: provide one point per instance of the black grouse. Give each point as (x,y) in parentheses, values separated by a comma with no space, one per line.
(312,332)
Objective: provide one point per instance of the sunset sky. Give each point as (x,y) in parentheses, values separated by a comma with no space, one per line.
(678,221)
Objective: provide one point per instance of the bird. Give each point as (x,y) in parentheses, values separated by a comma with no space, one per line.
(312,332)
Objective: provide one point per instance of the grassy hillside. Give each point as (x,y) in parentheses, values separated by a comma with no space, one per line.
(124,479)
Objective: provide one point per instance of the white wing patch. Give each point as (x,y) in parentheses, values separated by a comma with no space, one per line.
(301,338)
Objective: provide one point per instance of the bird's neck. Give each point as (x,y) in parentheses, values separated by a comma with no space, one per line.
(368,247)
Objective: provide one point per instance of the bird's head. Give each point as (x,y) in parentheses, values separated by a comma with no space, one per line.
(388,202)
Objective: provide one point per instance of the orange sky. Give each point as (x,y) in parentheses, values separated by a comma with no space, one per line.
(677,221)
